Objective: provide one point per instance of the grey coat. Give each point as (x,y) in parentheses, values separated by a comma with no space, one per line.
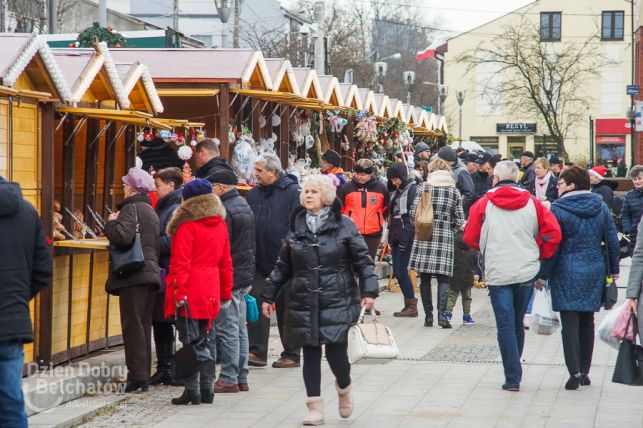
(634,288)
(436,256)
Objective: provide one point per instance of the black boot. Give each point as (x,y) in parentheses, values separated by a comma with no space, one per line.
(188,397)
(427,302)
(443,296)
(164,353)
(133,385)
(573,382)
(207,396)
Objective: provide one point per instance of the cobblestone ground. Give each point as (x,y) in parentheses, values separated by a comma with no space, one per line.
(442,378)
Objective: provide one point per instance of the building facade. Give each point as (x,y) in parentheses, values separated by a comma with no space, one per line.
(603,134)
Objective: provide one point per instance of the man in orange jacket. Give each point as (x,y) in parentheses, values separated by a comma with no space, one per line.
(365,200)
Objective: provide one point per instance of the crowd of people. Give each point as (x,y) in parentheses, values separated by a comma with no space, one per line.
(307,251)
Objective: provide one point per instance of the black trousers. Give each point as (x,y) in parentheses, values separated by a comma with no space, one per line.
(259,331)
(373,243)
(337,357)
(578,340)
(136,304)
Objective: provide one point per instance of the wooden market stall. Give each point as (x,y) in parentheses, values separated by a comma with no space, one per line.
(31,84)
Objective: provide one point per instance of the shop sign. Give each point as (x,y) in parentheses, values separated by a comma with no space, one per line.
(610,139)
(612,126)
(515,128)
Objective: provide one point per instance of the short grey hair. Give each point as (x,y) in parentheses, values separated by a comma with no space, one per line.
(270,161)
(325,186)
(506,170)
(635,171)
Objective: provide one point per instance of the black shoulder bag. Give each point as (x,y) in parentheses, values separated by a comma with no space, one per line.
(188,360)
(610,292)
(629,363)
(129,260)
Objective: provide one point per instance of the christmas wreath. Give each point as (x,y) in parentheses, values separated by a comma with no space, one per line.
(108,35)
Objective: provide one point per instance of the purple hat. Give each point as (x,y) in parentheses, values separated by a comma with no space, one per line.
(139,181)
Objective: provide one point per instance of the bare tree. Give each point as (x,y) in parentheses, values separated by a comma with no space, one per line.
(534,78)
(237,18)
(28,15)
(62,9)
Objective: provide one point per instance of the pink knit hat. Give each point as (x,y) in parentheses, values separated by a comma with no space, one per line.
(139,181)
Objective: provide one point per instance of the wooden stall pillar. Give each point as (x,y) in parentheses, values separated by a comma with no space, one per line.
(224,120)
(284,135)
(256,106)
(69,169)
(91,168)
(110,162)
(45,302)
(130,148)
(348,161)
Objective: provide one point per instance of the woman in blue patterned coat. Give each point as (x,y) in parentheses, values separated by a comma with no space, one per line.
(577,271)
(434,258)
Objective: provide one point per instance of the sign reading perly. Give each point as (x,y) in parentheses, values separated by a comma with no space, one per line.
(515,128)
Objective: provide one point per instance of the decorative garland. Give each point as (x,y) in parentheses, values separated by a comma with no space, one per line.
(108,35)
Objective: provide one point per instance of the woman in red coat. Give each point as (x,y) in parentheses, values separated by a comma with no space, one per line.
(200,279)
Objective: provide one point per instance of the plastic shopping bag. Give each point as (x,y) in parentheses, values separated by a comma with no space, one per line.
(604,331)
(544,320)
(625,327)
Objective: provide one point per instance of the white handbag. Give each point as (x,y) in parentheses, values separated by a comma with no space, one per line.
(371,343)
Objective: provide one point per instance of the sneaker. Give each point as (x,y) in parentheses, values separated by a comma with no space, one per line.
(466,319)
(448,315)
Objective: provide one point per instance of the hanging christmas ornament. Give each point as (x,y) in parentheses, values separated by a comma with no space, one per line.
(200,135)
(187,171)
(276,120)
(139,162)
(262,122)
(194,142)
(140,137)
(184,152)
(180,140)
(148,136)
(174,137)
(310,141)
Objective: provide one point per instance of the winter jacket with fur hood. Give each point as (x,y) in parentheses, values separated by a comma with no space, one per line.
(121,232)
(317,273)
(200,263)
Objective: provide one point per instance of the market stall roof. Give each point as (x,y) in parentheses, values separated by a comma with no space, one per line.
(382,107)
(442,124)
(431,121)
(368,100)
(131,117)
(244,66)
(351,95)
(330,89)
(282,75)
(397,109)
(285,98)
(27,55)
(410,115)
(91,74)
(139,87)
(308,83)
(421,116)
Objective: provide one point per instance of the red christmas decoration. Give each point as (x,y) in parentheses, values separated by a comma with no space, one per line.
(148,136)
(395,134)
(117,45)
(110,28)
(187,172)
(71,45)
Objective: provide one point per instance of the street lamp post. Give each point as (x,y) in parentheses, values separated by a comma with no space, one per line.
(460,97)
(442,95)
(409,80)
(223,10)
(380,68)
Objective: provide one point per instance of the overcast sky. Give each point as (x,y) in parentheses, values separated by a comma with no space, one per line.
(464,15)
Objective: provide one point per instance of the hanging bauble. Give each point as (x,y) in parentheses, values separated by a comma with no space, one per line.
(276,120)
(148,136)
(194,142)
(180,140)
(140,137)
(72,45)
(174,137)
(139,162)
(185,152)
(310,142)
(200,136)
(262,122)
(395,134)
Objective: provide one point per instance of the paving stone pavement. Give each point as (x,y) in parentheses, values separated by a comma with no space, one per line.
(442,378)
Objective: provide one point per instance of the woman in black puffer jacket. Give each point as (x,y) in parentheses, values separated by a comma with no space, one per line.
(401,232)
(317,265)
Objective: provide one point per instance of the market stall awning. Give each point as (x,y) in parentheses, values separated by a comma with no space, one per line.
(5,90)
(131,117)
(187,92)
(286,98)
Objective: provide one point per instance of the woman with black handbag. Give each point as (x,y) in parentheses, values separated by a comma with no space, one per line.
(199,282)
(634,293)
(135,224)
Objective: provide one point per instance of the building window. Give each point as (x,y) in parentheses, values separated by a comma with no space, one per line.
(490,144)
(545,146)
(515,146)
(612,25)
(549,26)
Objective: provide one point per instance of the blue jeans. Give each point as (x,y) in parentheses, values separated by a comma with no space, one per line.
(509,307)
(233,334)
(401,258)
(12,403)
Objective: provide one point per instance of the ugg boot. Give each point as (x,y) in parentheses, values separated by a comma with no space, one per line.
(427,303)
(345,401)
(315,414)
(410,309)
(443,296)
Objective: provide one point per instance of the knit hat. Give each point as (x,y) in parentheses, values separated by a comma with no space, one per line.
(555,160)
(598,172)
(528,154)
(421,147)
(196,187)
(223,176)
(471,158)
(397,170)
(447,153)
(139,181)
(331,156)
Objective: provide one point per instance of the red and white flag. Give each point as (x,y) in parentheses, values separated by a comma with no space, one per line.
(426,53)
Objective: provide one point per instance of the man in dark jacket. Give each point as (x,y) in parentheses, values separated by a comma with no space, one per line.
(207,158)
(633,206)
(168,183)
(137,291)
(528,174)
(421,152)
(272,202)
(461,176)
(159,154)
(230,325)
(25,266)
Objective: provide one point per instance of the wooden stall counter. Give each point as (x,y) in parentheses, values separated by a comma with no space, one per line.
(89,244)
